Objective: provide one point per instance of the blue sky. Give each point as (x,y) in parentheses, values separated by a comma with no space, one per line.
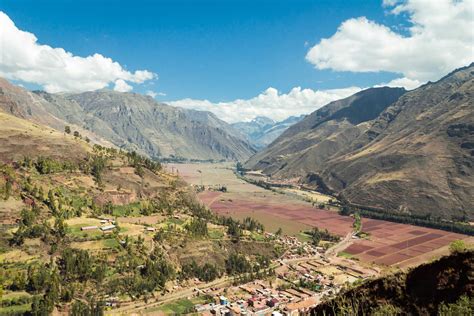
(213,50)
(217,50)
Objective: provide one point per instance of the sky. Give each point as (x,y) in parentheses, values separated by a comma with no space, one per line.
(237,59)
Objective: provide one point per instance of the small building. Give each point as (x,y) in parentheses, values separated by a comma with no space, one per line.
(89,227)
(107,228)
(150,229)
(272,302)
(223,300)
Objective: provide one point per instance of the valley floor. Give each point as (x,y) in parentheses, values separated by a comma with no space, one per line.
(386,243)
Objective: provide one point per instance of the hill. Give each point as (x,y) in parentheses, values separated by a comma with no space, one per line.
(84,228)
(442,287)
(261,131)
(413,157)
(20,138)
(130,121)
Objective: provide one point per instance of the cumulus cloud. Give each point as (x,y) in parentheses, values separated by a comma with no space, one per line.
(440,38)
(122,86)
(152,94)
(23,58)
(270,103)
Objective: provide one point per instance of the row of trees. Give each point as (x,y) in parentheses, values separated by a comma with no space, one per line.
(426,220)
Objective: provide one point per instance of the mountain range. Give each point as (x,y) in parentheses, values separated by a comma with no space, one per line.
(261,131)
(130,121)
(385,148)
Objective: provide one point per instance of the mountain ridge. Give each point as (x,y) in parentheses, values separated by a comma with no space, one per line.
(414,157)
(132,122)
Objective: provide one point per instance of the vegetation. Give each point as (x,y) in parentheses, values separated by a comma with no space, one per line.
(441,287)
(317,235)
(457,246)
(206,272)
(412,219)
(463,306)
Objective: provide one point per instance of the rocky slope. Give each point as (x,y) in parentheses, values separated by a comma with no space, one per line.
(415,157)
(130,121)
(262,130)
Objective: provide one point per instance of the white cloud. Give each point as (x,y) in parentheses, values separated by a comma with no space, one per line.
(23,58)
(152,94)
(406,83)
(440,39)
(122,86)
(270,103)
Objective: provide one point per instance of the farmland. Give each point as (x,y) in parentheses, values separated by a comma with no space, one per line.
(387,243)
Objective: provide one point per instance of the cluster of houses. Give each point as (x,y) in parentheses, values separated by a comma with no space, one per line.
(256,298)
(296,248)
(326,276)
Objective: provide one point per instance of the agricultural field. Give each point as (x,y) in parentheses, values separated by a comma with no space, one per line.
(400,244)
(386,243)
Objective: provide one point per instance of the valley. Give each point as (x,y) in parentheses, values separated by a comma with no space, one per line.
(385,243)
(237,158)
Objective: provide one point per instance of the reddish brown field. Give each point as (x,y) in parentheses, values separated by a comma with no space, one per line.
(399,244)
(388,243)
(294,212)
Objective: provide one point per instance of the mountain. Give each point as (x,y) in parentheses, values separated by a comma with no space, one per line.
(130,121)
(261,131)
(322,134)
(415,157)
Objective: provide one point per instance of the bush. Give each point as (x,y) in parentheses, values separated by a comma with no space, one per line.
(457,246)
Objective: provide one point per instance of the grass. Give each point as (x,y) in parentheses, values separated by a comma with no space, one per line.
(15,309)
(304,237)
(132,209)
(216,233)
(178,307)
(257,237)
(344,254)
(110,243)
(76,231)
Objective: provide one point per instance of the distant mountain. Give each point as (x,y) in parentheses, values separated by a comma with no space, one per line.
(407,152)
(130,121)
(261,131)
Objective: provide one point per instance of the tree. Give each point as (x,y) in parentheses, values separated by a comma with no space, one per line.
(8,188)
(279,232)
(67,129)
(463,306)
(457,246)
(76,134)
